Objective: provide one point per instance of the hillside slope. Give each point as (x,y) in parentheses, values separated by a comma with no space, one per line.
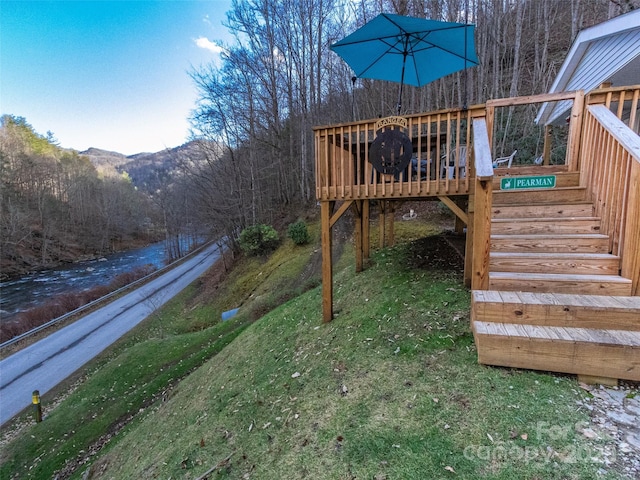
(389,390)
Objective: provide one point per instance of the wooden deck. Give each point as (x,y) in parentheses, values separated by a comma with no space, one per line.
(554,272)
(343,171)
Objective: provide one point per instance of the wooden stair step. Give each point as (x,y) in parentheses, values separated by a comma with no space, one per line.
(576,243)
(554,195)
(581,351)
(533,226)
(587,263)
(557,309)
(582,209)
(561,283)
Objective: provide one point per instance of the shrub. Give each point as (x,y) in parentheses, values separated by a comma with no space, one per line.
(258,239)
(298,233)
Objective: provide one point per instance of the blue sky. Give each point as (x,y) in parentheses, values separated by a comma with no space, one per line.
(107,74)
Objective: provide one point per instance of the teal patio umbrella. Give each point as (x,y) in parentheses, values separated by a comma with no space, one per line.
(410,50)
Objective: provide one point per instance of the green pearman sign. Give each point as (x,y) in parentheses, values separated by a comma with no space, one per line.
(519,183)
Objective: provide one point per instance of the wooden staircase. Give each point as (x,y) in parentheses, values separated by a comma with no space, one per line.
(556,300)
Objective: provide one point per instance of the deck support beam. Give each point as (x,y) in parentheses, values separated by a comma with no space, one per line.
(343,208)
(366,229)
(327,267)
(328,218)
(468,248)
(358,233)
(382,224)
(387,230)
(481,234)
(361,233)
(453,206)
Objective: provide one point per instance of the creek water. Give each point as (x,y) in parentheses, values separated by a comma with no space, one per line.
(30,290)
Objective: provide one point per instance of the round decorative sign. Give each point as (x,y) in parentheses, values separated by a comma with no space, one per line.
(391,152)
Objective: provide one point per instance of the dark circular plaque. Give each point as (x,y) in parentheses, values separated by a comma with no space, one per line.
(391,152)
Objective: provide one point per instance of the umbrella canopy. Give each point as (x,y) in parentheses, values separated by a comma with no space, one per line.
(408,50)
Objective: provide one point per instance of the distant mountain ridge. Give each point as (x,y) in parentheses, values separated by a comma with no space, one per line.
(148,171)
(105,161)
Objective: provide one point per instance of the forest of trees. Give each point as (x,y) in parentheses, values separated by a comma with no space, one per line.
(254,120)
(278,79)
(55,205)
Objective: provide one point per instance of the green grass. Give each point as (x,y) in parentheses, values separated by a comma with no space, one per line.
(139,370)
(390,389)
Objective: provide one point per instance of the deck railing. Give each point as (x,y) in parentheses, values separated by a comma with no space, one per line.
(452,156)
(624,102)
(604,147)
(440,164)
(610,159)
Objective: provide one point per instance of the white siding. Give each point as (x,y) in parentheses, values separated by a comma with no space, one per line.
(599,54)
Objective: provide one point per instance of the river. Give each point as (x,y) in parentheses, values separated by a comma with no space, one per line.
(30,290)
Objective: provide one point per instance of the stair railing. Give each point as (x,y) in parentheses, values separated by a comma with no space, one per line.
(480,206)
(623,101)
(610,171)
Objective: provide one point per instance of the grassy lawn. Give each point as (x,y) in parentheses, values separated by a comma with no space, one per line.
(390,389)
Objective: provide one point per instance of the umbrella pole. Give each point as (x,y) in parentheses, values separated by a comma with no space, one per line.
(404,61)
(465,104)
(353,97)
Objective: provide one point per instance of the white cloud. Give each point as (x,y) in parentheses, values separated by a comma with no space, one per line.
(204,42)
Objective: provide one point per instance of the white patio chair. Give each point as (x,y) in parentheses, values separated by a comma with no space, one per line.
(449,168)
(498,162)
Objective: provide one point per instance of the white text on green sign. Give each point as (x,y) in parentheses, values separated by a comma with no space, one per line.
(518,183)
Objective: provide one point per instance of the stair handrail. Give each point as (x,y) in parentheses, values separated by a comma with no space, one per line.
(480,220)
(611,175)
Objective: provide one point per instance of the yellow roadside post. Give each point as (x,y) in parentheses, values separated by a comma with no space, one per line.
(36,405)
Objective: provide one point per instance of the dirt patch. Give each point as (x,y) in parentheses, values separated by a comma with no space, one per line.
(444,252)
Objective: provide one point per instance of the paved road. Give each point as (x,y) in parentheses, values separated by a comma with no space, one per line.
(44,364)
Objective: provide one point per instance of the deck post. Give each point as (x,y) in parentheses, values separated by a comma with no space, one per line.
(382,221)
(481,234)
(327,267)
(546,149)
(458,226)
(573,147)
(468,248)
(357,233)
(366,229)
(391,219)
(480,206)
(630,267)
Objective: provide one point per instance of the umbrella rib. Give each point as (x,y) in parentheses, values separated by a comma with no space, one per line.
(473,62)
(371,64)
(433,45)
(342,43)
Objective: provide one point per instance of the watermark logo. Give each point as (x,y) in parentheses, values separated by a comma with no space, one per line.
(551,443)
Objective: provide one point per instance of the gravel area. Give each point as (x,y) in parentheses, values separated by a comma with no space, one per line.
(615,426)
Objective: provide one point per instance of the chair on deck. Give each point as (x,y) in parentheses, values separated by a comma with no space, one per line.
(449,168)
(501,160)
